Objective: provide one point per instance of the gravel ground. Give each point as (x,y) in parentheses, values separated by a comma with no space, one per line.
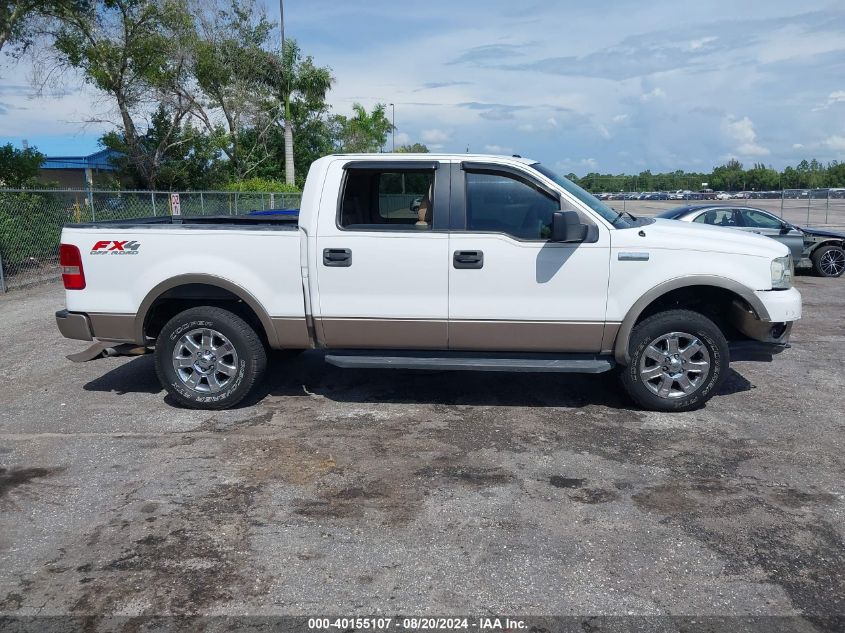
(360,492)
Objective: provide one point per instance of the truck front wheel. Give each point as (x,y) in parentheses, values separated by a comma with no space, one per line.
(209,358)
(678,360)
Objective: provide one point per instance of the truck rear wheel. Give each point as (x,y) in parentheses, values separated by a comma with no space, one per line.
(678,360)
(209,358)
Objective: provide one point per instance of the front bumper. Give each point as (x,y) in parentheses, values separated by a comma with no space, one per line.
(74,325)
(769,336)
(782,305)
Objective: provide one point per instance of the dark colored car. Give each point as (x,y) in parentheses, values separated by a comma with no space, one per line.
(820,249)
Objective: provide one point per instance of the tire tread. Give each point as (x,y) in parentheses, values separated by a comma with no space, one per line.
(256,354)
(669,320)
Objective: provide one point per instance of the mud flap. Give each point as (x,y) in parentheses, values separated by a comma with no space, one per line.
(103,350)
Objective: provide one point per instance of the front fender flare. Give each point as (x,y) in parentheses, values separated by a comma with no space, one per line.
(620,349)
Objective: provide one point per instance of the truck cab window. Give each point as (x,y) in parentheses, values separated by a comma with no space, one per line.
(387,200)
(501,203)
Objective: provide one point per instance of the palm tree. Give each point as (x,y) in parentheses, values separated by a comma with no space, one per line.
(301,87)
(365,131)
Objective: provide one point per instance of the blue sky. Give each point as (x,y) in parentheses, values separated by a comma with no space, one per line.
(612,86)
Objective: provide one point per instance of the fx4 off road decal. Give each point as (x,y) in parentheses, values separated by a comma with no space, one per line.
(115,247)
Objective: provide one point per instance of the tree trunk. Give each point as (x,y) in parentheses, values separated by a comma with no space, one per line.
(289,175)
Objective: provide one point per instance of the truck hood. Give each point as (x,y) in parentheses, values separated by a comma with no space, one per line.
(689,236)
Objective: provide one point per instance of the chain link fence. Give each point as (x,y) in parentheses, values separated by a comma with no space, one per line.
(31,220)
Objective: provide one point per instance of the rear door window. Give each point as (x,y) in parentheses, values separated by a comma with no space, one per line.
(387,200)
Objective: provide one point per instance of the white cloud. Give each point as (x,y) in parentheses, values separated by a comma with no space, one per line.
(603,131)
(837,96)
(798,146)
(836,143)
(583,165)
(741,133)
(620,118)
(403,138)
(544,126)
(657,93)
(435,135)
(498,149)
(694,45)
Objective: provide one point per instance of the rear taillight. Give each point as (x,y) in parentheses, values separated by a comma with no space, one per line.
(71,262)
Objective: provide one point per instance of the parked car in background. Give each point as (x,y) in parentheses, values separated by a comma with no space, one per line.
(820,249)
(723,195)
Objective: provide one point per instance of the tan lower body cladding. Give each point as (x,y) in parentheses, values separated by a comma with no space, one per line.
(529,336)
(361,333)
(498,336)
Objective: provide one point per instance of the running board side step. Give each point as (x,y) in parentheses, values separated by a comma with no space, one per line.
(471,361)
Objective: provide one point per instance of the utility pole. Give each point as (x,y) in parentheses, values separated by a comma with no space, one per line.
(393,123)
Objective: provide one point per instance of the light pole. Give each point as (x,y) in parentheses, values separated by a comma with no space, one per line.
(393,129)
(282,23)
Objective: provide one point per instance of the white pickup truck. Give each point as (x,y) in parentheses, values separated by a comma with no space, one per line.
(432,262)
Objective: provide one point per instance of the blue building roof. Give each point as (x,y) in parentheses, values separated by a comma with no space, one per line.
(98,160)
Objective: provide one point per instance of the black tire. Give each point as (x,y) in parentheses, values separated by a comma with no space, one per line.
(828,261)
(248,358)
(713,350)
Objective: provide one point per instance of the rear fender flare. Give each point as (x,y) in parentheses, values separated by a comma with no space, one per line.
(209,280)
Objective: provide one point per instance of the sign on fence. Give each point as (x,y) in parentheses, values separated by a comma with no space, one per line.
(175,208)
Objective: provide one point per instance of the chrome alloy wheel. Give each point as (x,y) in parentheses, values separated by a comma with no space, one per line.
(674,365)
(205,360)
(832,262)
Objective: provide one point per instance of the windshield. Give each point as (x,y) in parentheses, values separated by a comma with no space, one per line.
(609,214)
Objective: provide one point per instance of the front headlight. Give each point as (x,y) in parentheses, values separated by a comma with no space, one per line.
(783,271)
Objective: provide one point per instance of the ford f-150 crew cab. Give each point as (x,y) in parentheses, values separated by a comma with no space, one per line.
(432,262)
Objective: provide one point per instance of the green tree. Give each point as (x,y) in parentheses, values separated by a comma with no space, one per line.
(836,174)
(301,86)
(235,76)
(415,148)
(363,132)
(132,51)
(21,21)
(19,167)
(192,161)
(728,177)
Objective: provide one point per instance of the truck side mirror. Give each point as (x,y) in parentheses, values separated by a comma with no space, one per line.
(567,227)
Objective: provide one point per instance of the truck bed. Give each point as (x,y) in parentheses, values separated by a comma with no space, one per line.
(240,222)
(261,253)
